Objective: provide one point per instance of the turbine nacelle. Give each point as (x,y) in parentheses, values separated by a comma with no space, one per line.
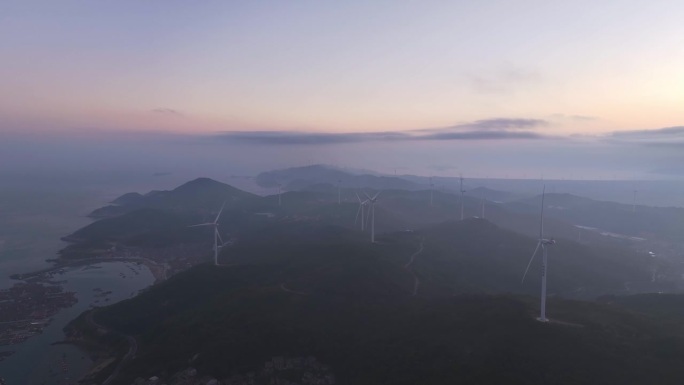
(373,200)
(362,204)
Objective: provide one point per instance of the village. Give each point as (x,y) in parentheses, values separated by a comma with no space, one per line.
(26,309)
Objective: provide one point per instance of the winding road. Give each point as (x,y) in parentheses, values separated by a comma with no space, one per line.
(288,290)
(132,347)
(407,266)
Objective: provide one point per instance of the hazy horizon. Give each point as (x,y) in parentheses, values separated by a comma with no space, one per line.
(567,90)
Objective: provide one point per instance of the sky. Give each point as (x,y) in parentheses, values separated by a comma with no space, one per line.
(486,88)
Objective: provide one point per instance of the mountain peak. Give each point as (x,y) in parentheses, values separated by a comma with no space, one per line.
(200,182)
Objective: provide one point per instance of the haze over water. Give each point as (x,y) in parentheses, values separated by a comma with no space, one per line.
(34,215)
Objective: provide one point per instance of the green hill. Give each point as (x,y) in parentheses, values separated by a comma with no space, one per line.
(232,320)
(202,195)
(494,262)
(303,289)
(665,223)
(477,256)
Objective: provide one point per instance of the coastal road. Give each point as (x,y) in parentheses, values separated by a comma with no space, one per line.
(158,270)
(407,266)
(132,347)
(288,290)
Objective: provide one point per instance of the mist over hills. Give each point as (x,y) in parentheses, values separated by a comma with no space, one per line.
(436,298)
(665,223)
(659,193)
(163,216)
(349,304)
(298,178)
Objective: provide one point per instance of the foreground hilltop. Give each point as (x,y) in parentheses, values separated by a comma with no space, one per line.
(320,293)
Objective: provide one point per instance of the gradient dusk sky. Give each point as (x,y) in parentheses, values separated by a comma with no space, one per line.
(413,70)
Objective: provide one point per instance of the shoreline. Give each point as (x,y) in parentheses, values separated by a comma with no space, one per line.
(159,271)
(49,278)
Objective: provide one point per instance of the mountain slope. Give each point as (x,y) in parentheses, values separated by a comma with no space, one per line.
(232,320)
(202,194)
(666,223)
(300,178)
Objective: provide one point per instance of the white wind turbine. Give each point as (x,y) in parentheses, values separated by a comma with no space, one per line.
(634,202)
(372,201)
(361,211)
(543,243)
(217,236)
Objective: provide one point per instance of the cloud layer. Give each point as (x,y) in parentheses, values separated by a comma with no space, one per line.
(667,136)
(488,129)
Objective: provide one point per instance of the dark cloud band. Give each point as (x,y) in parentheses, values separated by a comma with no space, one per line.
(489,129)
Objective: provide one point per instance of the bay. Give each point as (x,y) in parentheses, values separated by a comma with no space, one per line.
(33,218)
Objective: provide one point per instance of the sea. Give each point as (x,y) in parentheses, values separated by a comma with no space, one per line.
(33,218)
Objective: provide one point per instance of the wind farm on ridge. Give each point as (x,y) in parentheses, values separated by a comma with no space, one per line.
(324,242)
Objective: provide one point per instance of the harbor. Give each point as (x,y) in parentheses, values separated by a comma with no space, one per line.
(37,356)
(26,309)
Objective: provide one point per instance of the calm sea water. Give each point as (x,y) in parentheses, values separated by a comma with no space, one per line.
(34,214)
(37,361)
(32,221)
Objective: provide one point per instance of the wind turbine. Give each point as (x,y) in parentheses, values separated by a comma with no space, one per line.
(372,201)
(217,236)
(362,204)
(462,191)
(280,192)
(543,243)
(634,204)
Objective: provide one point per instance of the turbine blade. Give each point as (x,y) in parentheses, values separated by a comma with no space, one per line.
(541,217)
(377,195)
(219,236)
(530,262)
(220,211)
(358,197)
(357,214)
(367,196)
(202,224)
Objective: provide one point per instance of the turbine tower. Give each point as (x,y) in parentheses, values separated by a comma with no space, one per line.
(361,210)
(462,191)
(280,192)
(217,236)
(634,203)
(543,243)
(372,201)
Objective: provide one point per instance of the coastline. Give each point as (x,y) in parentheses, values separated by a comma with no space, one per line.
(108,281)
(107,358)
(159,271)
